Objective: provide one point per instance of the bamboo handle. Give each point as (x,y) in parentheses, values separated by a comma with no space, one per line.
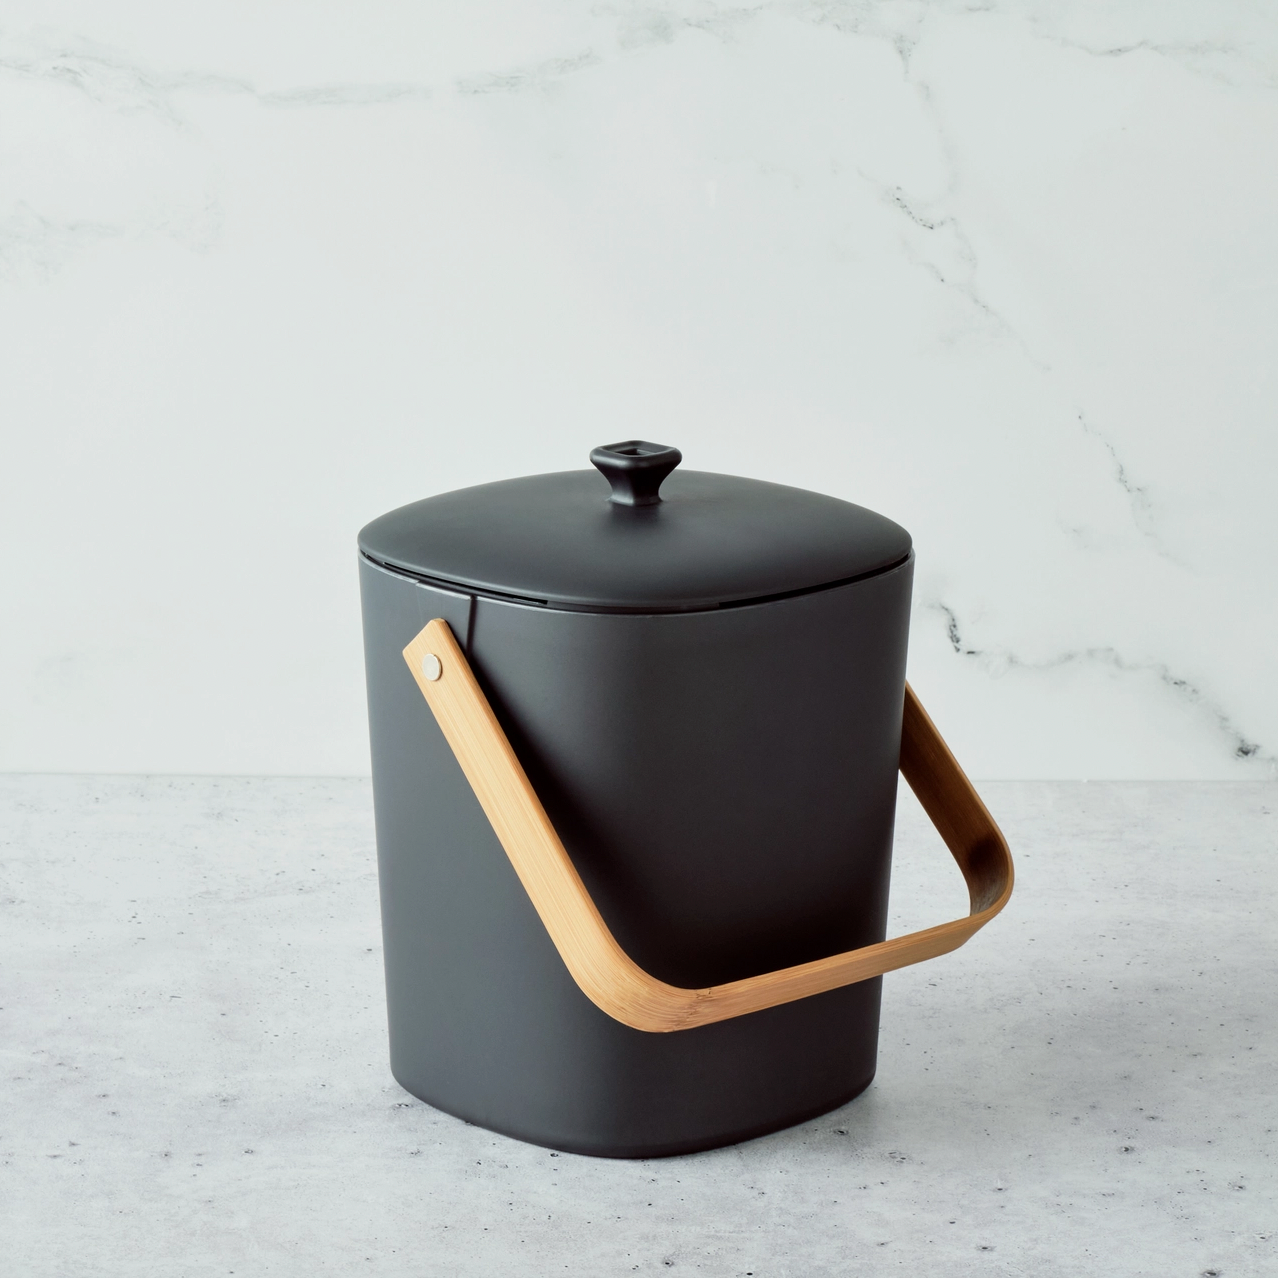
(606,973)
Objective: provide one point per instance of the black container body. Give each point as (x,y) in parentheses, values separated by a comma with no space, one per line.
(725,783)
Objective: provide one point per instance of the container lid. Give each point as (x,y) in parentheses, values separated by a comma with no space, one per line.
(631,536)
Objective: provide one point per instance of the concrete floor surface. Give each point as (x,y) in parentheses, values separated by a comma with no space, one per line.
(195,1077)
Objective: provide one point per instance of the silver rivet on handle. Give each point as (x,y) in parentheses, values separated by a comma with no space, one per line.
(431,667)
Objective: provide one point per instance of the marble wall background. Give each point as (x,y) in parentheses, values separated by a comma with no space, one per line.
(1007,272)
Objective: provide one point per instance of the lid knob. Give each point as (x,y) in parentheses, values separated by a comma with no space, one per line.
(636,470)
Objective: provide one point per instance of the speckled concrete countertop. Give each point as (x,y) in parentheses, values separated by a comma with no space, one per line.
(195,1077)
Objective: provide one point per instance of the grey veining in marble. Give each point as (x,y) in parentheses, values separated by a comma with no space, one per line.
(1003,270)
(195,1080)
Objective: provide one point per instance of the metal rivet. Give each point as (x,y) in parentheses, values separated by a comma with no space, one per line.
(431,668)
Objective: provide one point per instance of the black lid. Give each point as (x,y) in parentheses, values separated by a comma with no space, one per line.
(701,541)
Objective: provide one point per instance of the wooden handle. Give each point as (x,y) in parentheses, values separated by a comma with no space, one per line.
(605,972)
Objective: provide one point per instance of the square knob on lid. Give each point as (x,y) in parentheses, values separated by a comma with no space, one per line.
(636,470)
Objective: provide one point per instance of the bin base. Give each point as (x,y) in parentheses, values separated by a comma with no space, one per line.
(666,1149)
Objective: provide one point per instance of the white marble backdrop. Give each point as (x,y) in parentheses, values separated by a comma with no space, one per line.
(1007,272)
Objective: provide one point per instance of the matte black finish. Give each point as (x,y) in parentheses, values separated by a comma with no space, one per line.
(635,469)
(710,540)
(723,779)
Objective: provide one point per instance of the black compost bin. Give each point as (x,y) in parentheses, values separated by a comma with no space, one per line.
(635,740)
